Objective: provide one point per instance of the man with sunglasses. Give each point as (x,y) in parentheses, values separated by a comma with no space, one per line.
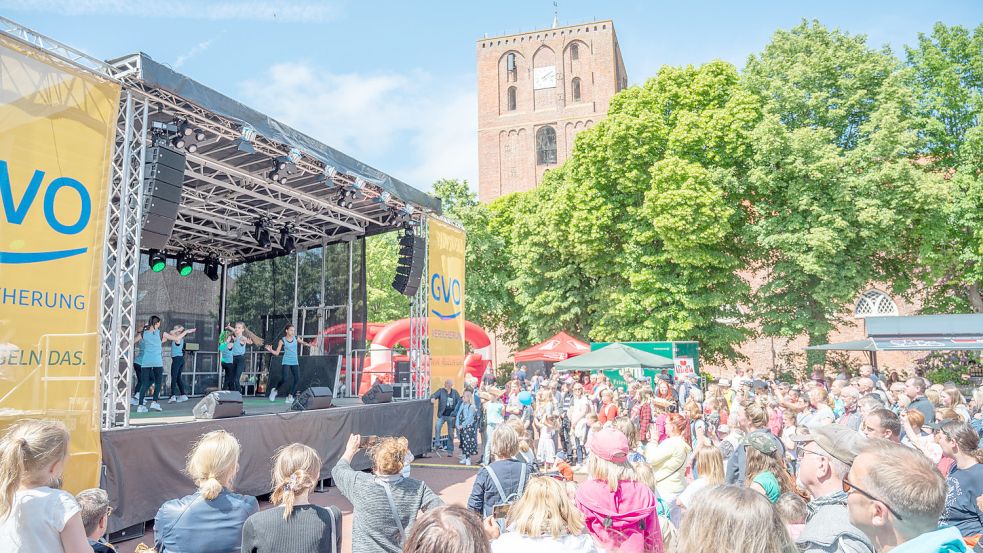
(825,456)
(895,495)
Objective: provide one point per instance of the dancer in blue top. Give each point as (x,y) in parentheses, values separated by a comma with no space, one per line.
(152,339)
(225,344)
(239,342)
(177,364)
(288,344)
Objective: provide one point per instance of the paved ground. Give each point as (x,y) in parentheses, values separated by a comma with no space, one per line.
(452,481)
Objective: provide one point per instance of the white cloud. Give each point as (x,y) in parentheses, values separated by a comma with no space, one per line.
(309,11)
(408,124)
(194,51)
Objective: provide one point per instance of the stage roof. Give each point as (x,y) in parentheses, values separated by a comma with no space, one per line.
(916,333)
(226,189)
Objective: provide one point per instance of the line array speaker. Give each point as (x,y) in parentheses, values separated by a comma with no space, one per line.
(163,181)
(315,397)
(378,393)
(219,405)
(409,268)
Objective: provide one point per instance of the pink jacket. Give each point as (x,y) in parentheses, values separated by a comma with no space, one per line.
(625,520)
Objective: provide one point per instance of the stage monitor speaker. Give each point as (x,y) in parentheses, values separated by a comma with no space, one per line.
(315,397)
(409,267)
(402,372)
(378,393)
(163,182)
(219,405)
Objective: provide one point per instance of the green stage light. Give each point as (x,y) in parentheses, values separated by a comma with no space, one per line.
(184,265)
(157,261)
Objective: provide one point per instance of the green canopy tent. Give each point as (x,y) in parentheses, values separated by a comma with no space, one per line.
(617,361)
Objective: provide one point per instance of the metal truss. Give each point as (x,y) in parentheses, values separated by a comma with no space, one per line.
(122,260)
(55,48)
(419,352)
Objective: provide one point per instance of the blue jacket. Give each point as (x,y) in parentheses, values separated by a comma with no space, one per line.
(193,525)
(484,494)
(944,540)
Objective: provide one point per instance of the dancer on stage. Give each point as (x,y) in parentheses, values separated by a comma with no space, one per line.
(152,339)
(241,337)
(177,364)
(288,344)
(225,343)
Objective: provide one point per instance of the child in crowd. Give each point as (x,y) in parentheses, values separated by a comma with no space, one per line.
(95,518)
(546,447)
(563,467)
(34,515)
(593,427)
(793,511)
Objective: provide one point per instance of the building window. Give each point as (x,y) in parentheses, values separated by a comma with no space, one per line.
(574,52)
(575,88)
(511,98)
(510,68)
(546,146)
(875,303)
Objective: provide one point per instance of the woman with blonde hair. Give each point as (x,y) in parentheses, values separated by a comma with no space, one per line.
(525,453)
(953,399)
(294,525)
(544,520)
(385,503)
(34,514)
(209,520)
(620,512)
(709,463)
(733,519)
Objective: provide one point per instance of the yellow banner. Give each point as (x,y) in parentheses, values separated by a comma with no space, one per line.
(445,286)
(57,129)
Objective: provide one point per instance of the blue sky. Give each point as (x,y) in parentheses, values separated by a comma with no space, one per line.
(393,83)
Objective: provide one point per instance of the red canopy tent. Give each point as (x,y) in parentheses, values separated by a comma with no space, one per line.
(558,348)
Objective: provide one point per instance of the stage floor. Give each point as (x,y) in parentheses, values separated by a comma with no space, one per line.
(182,412)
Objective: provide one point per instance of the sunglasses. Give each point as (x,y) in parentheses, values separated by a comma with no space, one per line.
(850,488)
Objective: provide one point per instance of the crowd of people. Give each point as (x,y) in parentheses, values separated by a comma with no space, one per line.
(860,464)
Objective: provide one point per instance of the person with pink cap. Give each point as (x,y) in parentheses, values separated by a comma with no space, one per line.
(620,512)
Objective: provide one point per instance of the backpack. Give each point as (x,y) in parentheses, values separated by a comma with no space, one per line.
(508,500)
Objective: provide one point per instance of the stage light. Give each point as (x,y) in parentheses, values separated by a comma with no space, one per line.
(157,261)
(211,269)
(199,135)
(184,264)
(359,183)
(294,155)
(407,210)
(192,148)
(287,242)
(330,172)
(179,142)
(262,234)
(383,198)
(245,142)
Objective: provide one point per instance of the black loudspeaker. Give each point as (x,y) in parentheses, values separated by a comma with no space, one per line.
(402,372)
(315,397)
(163,181)
(219,405)
(378,393)
(409,268)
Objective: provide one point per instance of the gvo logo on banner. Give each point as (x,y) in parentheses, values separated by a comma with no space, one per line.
(447,293)
(16,211)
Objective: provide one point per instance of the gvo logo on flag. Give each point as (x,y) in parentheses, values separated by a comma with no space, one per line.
(448,295)
(16,210)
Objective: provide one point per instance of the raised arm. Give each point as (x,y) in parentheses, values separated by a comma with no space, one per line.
(279,346)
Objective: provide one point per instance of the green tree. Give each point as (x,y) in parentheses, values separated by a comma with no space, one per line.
(948,79)
(833,189)
(385,304)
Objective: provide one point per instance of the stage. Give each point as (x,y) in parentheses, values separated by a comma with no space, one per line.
(144,464)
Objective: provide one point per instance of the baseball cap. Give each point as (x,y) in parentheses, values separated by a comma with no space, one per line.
(610,444)
(762,442)
(840,442)
(725,382)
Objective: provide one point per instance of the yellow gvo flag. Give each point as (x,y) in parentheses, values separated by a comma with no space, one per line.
(57,129)
(445,304)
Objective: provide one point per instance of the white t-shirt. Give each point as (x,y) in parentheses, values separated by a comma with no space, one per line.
(686,497)
(36,520)
(514,542)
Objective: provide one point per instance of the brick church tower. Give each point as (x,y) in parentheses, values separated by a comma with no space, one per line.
(536,91)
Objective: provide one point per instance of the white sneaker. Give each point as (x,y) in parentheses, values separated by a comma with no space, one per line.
(141,409)
(273,395)
(173,399)
(134,401)
(155,406)
(290,399)
(467,462)
(460,460)
(182,399)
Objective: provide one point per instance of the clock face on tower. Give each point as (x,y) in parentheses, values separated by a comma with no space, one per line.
(544,77)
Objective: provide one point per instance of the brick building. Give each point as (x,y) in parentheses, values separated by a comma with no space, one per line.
(536,91)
